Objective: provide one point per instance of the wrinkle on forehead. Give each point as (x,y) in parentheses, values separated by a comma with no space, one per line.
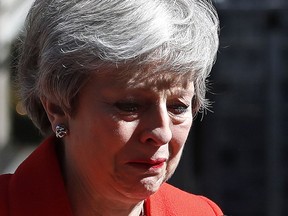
(149,78)
(159,81)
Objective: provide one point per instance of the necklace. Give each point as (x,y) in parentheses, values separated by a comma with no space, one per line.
(142,213)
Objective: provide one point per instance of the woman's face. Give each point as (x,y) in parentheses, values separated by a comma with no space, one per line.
(125,140)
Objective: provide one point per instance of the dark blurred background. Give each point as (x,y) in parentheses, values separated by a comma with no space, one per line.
(237,154)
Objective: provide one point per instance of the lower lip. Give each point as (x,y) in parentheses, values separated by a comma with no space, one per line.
(158,165)
(147,166)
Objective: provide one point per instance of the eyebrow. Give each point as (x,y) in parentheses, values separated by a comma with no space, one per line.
(174,90)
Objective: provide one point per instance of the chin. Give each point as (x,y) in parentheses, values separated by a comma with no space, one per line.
(152,185)
(145,188)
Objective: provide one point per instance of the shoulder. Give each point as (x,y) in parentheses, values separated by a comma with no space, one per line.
(4,185)
(37,186)
(173,201)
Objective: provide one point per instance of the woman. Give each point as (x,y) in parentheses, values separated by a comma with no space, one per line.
(118,82)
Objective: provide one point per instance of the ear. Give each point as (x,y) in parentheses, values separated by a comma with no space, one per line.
(55,113)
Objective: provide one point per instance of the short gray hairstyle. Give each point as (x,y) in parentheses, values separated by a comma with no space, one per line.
(66,40)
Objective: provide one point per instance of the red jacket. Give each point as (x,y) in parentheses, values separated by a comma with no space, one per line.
(37,188)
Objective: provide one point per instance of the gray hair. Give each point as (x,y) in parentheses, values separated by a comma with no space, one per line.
(66,40)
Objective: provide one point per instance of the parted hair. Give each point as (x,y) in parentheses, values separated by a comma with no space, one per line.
(67,40)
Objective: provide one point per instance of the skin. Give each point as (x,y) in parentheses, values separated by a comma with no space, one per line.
(124,141)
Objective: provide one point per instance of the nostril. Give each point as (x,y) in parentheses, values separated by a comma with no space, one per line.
(149,140)
(156,137)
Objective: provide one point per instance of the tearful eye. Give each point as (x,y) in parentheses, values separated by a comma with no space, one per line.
(178,109)
(128,107)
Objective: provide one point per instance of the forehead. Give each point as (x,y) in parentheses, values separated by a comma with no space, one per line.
(145,78)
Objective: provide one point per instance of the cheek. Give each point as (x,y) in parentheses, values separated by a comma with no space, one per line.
(173,163)
(180,134)
(121,132)
(176,147)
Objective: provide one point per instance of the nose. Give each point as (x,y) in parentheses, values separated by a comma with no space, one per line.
(156,126)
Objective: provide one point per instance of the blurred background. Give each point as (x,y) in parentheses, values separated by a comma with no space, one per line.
(237,154)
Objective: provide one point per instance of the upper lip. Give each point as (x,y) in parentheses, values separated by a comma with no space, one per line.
(149,161)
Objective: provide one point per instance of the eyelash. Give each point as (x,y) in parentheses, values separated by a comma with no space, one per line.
(127,107)
(131,107)
(178,109)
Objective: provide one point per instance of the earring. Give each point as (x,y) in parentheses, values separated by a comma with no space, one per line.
(61,131)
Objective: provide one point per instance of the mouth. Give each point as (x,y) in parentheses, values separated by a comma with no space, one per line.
(148,164)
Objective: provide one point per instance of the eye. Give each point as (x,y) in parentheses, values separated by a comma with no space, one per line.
(178,109)
(127,107)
